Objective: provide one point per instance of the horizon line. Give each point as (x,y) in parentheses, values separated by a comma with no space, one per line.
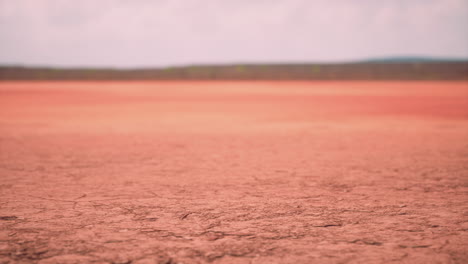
(389,60)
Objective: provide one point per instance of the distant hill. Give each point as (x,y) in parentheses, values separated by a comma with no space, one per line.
(396,68)
(414,59)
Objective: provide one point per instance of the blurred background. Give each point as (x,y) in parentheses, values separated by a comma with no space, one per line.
(255,39)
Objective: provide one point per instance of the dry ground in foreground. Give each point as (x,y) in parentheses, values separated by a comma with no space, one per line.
(233,172)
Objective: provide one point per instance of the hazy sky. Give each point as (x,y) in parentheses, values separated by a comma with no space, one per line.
(135,33)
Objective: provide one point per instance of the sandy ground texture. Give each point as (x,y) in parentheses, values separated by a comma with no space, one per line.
(233,172)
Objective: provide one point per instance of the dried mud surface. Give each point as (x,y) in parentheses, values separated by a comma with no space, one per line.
(233,172)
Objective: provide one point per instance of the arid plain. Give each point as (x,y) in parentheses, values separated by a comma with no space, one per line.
(233,172)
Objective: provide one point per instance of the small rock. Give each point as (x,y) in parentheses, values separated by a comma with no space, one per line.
(210,256)
(212,236)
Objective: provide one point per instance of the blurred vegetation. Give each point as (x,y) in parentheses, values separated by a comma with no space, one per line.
(316,69)
(346,71)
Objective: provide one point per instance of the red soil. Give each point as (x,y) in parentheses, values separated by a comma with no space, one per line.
(233,172)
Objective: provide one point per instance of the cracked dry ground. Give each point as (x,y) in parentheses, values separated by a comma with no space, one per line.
(233,172)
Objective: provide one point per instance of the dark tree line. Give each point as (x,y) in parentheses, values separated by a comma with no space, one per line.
(348,71)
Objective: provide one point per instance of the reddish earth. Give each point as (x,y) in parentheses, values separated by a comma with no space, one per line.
(233,172)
